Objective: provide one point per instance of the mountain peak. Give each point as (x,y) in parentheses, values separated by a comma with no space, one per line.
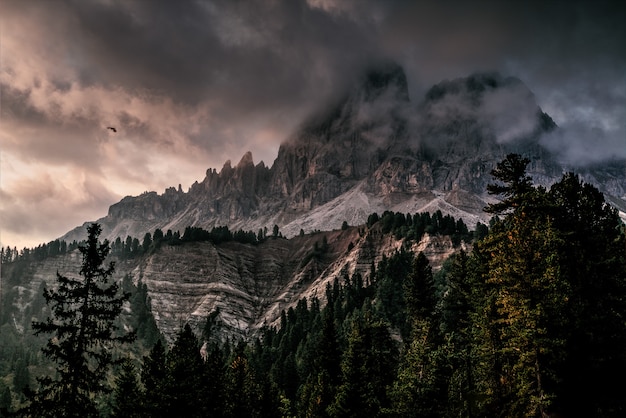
(503,108)
(381,77)
(475,85)
(246,160)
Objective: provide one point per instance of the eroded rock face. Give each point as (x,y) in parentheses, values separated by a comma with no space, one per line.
(249,284)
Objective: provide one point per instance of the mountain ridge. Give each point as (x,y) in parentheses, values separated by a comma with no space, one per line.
(375,146)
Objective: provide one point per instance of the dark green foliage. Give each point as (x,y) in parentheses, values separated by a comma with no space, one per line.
(419,290)
(594,265)
(157,236)
(513,183)
(21,375)
(127,394)
(390,299)
(147,242)
(480,231)
(39,253)
(141,319)
(83,328)
(154,378)
(413,227)
(372,219)
(218,235)
(550,318)
(6,401)
(242,388)
(367,368)
(184,385)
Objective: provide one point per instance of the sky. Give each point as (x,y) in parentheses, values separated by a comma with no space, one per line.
(191,84)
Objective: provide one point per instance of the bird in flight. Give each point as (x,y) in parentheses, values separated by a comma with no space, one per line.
(112,128)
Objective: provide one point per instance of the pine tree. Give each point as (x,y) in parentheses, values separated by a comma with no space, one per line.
(512,172)
(456,326)
(594,263)
(529,312)
(367,369)
(83,327)
(184,386)
(419,290)
(215,372)
(6,400)
(153,377)
(127,394)
(420,387)
(243,394)
(549,327)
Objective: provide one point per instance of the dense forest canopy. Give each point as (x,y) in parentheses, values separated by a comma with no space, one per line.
(530,322)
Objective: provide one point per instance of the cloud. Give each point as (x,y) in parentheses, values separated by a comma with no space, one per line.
(38,205)
(192,84)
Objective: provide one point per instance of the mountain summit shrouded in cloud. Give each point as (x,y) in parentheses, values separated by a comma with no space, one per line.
(371,151)
(188,85)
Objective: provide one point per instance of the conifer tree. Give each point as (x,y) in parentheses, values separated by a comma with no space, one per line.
(153,377)
(529,300)
(419,290)
(243,397)
(419,389)
(367,369)
(84,331)
(594,263)
(456,326)
(5,400)
(516,183)
(549,326)
(184,386)
(127,394)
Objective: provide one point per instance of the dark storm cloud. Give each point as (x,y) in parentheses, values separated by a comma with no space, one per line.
(571,54)
(246,54)
(189,84)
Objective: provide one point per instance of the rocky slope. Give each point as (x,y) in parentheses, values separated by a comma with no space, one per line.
(249,284)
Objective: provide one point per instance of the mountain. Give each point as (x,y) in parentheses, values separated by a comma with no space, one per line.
(372,150)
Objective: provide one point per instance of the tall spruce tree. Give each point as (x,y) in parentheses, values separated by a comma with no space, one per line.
(185,383)
(127,393)
(419,389)
(367,369)
(549,327)
(594,264)
(513,183)
(154,379)
(83,332)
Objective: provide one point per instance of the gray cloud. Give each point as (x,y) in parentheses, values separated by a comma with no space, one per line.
(190,84)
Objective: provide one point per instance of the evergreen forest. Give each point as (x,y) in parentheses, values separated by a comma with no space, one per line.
(529,322)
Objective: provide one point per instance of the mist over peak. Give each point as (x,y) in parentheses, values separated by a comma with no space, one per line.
(474,85)
(378,90)
(503,108)
(380,77)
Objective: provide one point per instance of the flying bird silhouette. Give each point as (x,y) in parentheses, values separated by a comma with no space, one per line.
(112,128)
